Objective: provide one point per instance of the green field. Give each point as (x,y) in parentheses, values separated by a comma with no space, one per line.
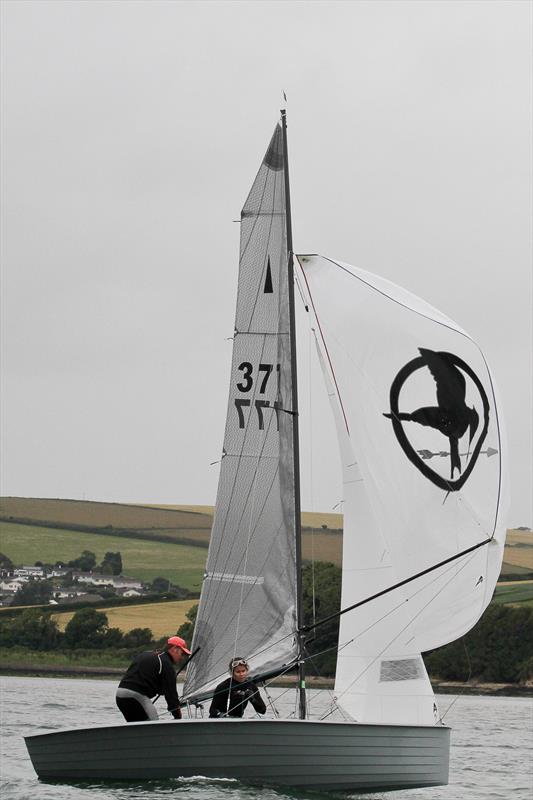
(519,593)
(62,658)
(183,565)
(145,558)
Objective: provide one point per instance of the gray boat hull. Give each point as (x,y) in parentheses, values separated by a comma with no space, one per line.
(319,755)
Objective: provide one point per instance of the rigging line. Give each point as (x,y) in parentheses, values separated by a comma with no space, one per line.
(386,614)
(411,621)
(461,693)
(307,628)
(399,302)
(271,645)
(391,611)
(333,699)
(325,345)
(341,647)
(310,402)
(186,701)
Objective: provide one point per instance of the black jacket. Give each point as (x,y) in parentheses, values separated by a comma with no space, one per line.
(151,674)
(232,703)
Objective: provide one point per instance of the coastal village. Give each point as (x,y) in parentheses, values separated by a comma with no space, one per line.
(68,585)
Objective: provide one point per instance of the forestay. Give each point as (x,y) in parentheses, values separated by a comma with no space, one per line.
(248,600)
(421,447)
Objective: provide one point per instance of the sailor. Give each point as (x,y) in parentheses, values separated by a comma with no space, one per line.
(233,695)
(152,673)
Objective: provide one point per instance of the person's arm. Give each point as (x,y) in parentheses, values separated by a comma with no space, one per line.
(256,700)
(219,704)
(170,691)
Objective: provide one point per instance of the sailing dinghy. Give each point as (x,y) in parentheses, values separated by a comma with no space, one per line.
(420,438)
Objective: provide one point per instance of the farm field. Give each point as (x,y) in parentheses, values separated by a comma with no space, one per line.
(106,517)
(310,519)
(163,619)
(514,593)
(181,564)
(145,558)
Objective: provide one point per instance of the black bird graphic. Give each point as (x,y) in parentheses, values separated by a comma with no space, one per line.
(452,417)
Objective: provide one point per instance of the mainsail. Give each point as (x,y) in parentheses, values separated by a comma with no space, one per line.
(248,604)
(420,439)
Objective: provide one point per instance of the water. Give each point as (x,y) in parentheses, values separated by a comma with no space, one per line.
(491,754)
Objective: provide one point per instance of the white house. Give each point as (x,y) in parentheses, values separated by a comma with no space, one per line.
(29,572)
(117,581)
(12,585)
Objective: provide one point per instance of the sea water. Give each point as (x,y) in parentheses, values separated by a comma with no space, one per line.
(491,754)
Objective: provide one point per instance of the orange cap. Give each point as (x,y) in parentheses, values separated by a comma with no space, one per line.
(177,641)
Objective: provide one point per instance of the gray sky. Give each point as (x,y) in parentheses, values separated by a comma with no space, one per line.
(131,134)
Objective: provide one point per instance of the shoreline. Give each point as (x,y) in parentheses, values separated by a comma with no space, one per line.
(439,687)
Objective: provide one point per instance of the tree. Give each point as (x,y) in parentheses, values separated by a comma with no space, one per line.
(111,564)
(498,649)
(323,582)
(86,629)
(5,562)
(33,593)
(187,629)
(86,562)
(113,638)
(138,638)
(33,628)
(160,585)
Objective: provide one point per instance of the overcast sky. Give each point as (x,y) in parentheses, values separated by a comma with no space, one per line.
(131,133)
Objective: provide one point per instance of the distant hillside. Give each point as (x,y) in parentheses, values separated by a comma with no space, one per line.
(141,522)
(185,525)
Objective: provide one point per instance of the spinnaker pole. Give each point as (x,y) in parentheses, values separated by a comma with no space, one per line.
(295,427)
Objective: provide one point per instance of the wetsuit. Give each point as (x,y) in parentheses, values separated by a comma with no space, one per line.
(148,675)
(231,698)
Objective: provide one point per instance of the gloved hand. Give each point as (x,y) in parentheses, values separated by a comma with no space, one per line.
(177,713)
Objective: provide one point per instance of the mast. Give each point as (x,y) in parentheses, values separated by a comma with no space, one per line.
(295,428)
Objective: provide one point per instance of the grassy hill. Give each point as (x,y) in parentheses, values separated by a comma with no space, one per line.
(169,541)
(142,522)
(146,560)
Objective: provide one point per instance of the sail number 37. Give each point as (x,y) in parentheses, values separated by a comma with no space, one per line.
(246,384)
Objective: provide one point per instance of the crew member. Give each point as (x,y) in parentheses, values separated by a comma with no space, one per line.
(152,673)
(233,695)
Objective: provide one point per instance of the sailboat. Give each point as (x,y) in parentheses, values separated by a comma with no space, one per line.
(422,545)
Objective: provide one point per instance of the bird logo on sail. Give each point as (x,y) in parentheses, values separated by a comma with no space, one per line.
(450,414)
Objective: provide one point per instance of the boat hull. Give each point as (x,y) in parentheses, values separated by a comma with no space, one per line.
(309,754)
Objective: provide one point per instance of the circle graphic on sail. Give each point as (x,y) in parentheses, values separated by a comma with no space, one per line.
(460,409)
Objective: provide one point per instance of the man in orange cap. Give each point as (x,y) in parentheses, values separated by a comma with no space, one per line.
(152,673)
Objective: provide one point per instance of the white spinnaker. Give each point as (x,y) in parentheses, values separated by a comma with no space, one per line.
(369,332)
(381,631)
